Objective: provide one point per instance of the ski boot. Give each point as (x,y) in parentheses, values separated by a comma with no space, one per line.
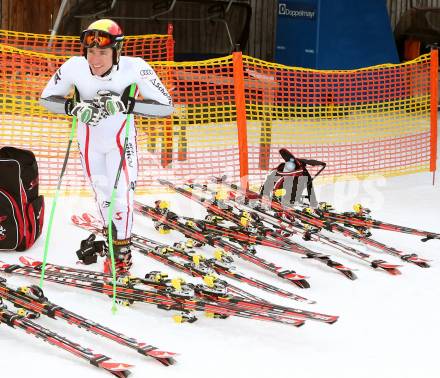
(90,249)
(122,255)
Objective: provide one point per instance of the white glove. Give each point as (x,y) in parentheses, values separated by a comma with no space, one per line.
(111,103)
(88,113)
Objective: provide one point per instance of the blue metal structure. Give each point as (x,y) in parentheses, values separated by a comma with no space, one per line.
(334,34)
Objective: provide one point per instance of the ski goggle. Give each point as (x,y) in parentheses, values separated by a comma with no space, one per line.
(96,38)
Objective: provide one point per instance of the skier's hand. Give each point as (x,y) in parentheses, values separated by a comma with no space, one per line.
(111,103)
(87,113)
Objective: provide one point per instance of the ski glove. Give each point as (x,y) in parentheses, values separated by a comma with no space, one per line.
(109,102)
(86,112)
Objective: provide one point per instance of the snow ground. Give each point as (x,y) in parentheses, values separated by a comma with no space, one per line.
(388,325)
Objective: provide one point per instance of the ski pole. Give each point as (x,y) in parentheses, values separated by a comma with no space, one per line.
(55,200)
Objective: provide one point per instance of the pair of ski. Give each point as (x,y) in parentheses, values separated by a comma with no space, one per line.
(362,221)
(292,215)
(167,299)
(282,225)
(32,303)
(185,259)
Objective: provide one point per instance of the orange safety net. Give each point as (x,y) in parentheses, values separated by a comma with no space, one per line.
(200,137)
(151,47)
(378,120)
(232,114)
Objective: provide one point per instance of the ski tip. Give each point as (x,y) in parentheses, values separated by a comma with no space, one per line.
(295,278)
(165,358)
(166,361)
(161,353)
(393,271)
(75,219)
(29,261)
(120,374)
(78,220)
(116,368)
(303,284)
(430,237)
(388,268)
(298,322)
(88,217)
(414,259)
(4,265)
(422,264)
(87,221)
(332,319)
(347,272)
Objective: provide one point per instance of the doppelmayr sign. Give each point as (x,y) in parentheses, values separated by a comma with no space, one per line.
(296,11)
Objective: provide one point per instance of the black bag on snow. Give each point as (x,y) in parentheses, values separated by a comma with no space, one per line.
(295,180)
(21,208)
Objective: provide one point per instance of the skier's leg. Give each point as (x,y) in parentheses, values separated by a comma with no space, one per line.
(123,208)
(95,169)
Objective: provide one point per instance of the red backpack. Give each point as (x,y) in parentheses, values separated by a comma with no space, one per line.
(21,208)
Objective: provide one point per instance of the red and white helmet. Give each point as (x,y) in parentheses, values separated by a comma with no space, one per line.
(103,34)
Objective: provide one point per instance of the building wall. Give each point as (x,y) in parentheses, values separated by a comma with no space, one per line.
(38,16)
(263,25)
(397,7)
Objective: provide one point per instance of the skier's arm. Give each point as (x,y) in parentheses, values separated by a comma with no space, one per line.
(157,101)
(55,104)
(59,86)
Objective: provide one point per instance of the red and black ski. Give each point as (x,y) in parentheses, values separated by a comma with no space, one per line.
(32,299)
(101,361)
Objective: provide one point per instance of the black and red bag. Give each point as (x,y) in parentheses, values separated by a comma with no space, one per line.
(21,208)
(293,176)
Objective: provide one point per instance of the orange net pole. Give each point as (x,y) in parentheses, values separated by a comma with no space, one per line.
(240,108)
(434,108)
(170,43)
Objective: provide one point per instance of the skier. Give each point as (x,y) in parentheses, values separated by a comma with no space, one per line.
(292,178)
(101,79)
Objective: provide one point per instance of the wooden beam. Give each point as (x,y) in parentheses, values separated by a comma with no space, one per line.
(5,13)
